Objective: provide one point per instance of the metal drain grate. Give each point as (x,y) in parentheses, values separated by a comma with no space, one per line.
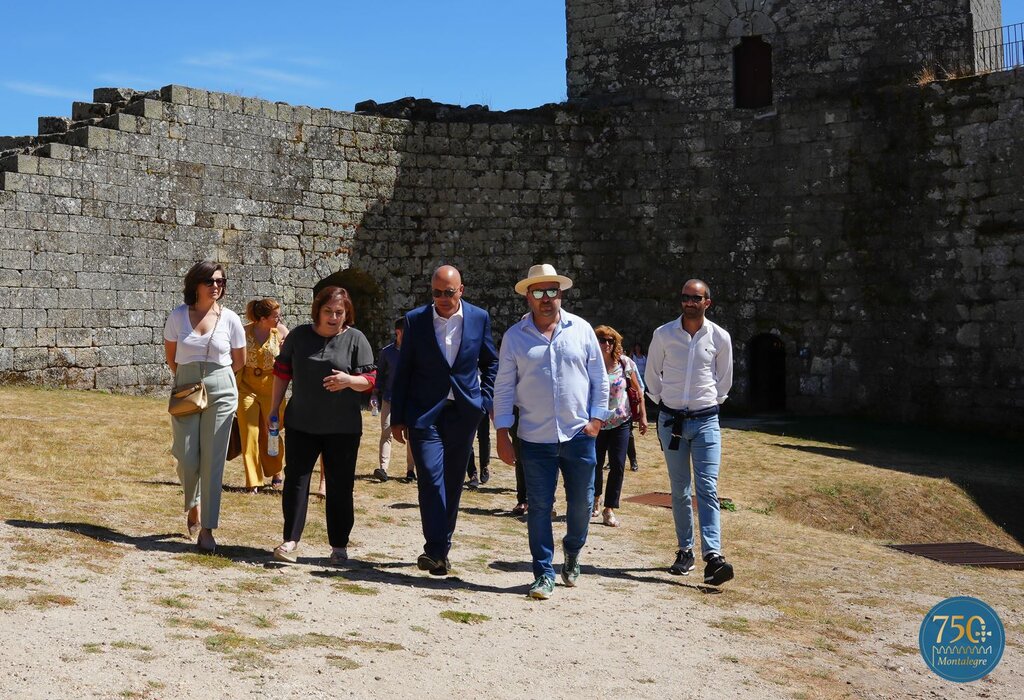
(965,553)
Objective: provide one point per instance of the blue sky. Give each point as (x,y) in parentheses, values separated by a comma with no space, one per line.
(501,53)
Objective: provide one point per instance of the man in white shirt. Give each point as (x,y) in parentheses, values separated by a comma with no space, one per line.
(689,374)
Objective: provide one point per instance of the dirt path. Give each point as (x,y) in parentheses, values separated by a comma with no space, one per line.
(97,605)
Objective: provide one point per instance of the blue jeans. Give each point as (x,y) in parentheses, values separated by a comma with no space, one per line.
(702,440)
(541,463)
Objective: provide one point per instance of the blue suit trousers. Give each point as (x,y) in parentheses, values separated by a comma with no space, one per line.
(441,451)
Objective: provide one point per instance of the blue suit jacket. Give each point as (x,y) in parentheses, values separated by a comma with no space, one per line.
(423,377)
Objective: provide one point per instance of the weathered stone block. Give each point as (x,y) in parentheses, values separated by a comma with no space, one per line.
(175,94)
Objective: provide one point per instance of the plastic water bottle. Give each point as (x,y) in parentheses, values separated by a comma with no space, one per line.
(274,439)
(374,408)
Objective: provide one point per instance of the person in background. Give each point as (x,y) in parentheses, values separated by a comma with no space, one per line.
(263,337)
(387,361)
(640,360)
(483,437)
(328,363)
(614,435)
(204,342)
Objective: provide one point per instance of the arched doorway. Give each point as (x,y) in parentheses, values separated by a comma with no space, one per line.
(368,300)
(767,373)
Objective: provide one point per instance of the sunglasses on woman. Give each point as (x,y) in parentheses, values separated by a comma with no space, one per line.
(219,281)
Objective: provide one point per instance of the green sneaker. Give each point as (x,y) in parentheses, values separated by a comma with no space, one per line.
(571,570)
(542,588)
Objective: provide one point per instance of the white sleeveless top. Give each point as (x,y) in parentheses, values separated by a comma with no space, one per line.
(192,347)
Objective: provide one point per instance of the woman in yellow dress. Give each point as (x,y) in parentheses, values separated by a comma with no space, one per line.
(263,337)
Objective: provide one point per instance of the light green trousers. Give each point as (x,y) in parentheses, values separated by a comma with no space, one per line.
(201,440)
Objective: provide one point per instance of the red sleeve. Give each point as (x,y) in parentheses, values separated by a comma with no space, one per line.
(283,370)
(370,377)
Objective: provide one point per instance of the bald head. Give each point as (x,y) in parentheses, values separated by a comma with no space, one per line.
(446,274)
(446,289)
(696,284)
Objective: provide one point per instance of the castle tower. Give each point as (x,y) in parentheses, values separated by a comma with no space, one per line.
(719,54)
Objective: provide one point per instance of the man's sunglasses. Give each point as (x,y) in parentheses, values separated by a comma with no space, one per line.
(541,293)
(219,281)
(695,298)
(438,293)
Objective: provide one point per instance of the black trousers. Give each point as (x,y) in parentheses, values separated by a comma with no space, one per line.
(483,436)
(339,451)
(613,443)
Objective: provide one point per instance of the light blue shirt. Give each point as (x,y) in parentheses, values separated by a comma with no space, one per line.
(558,384)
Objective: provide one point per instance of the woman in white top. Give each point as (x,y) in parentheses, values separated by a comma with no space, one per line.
(204,342)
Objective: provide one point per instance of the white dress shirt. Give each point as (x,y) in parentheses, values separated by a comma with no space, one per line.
(448,332)
(685,372)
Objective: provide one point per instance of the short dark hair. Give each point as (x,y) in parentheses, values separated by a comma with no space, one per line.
(400,324)
(199,273)
(329,294)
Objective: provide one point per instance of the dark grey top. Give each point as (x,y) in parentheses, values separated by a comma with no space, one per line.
(309,358)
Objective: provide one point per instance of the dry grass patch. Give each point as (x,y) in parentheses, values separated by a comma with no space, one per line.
(465,618)
(354,588)
(206,561)
(9,581)
(342,662)
(315,640)
(180,601)
(45,601)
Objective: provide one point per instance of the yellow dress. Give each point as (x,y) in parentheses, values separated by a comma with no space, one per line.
(255,386)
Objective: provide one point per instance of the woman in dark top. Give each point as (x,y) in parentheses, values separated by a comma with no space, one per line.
(329,363)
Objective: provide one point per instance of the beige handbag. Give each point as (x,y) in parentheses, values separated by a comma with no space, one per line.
(187,400)
(192,398)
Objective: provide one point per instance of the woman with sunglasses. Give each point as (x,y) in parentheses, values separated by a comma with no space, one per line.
(614,436)
(204,342)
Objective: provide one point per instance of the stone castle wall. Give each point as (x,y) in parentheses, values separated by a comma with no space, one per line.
(876,230)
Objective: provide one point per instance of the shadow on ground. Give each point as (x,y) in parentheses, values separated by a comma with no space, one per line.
(988,469)
(171,543)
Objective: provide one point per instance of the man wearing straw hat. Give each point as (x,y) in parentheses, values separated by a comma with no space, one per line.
(550,367)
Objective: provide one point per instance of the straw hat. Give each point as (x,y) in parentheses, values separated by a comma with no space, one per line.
(542,273)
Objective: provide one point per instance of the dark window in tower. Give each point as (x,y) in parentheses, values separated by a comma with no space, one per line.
(752,72)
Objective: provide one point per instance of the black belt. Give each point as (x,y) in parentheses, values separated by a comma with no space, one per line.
(675,420)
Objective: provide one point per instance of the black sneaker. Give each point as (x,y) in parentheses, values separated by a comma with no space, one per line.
(683,564)
(474,483)
(380,474)
(717,570)
(410,477)
(443,568)
(425,562)
(485,474)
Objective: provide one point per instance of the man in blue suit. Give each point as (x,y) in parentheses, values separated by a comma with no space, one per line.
(444,384)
